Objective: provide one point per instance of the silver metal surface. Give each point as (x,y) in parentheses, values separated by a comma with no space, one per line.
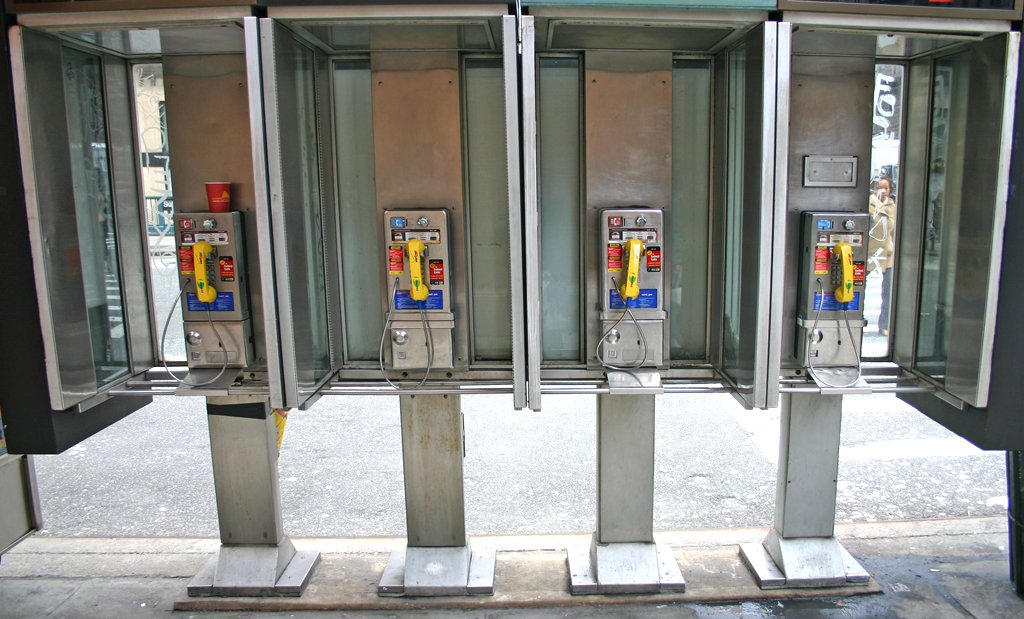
(531,212)
(993,79)
(623,568)
(262,297)
(245,477)
(432,453)
(883,17)
(459,570)
(830,171)
(805,496)
(820,562)
(828,98)
(256,571)
(20,514)
(635,382)
(625,468)
(378,11)
(222,342)
(164,17)
(513,149)
(37,73)
(227,238)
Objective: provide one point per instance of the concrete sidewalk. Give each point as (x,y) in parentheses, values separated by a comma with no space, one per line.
(934,568)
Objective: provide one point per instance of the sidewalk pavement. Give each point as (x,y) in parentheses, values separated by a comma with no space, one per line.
(930,568)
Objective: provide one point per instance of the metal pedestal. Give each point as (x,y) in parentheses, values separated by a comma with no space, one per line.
(622,556)
(801,550)
(255,557)
(438,559)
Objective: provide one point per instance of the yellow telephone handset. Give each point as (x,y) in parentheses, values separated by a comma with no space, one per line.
(630,288)
(843,253)
(204,291)
(417,286)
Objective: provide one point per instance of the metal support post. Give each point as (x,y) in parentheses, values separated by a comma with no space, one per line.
(256,558)
(622,556)
(801,550)
(437,559)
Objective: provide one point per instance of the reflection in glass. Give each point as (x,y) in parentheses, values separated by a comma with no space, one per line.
(155,171)
(734,199)
(886,134)
(559,120)
(94,214)
(488,205)
(942,214)
(688,219)
(307,258)
(357,206)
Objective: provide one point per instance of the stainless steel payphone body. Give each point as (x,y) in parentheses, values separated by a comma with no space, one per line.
(420,318)
(218,332)
(829,333)
(632,323)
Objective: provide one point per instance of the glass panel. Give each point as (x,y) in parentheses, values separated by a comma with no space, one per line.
(357,204)
(94,214)
(559,121)
(886,135)
(488,204)
(945,184)
(154,163)
(688,221)
(733,241)
(305,222)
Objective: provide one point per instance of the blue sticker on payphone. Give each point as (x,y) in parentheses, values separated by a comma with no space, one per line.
(831,305)
(225,302)
(435,301)
(648,299)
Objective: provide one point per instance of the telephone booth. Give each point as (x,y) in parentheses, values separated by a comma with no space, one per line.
(899,143)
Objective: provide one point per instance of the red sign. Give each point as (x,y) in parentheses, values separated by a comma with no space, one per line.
(653,259)
(821,257)
(436,272)
(615,221)
(227,268)
(186,261)
(859,272)
(396,260)
(614,257)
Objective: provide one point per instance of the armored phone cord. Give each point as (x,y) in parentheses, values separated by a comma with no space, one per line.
(384,333)
(628,311)
(849,329)
(216,332)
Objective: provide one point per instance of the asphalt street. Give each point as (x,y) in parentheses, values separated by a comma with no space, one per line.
(526,472)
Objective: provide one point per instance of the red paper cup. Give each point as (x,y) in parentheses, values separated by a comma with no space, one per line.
(219,197)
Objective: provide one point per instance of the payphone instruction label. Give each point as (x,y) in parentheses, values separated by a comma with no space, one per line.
(435,301)
(225,302)
(831,305)
(648,299)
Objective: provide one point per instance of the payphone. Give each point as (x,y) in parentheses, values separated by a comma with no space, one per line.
(831,302)
(419,318)
(632,288)
(215,305)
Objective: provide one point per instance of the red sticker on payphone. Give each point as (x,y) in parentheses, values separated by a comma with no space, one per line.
(227,268)
(614,257)
(859,272)
(396,260)
(436,272)
(821,257)
(186,261)
(654,260)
